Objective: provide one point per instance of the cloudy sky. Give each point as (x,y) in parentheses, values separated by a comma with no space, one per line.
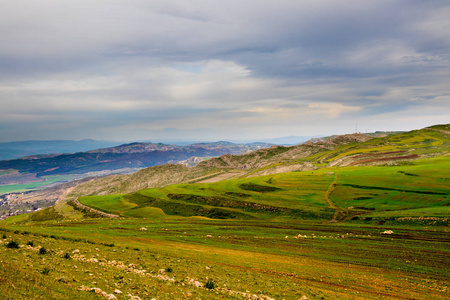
(238,69)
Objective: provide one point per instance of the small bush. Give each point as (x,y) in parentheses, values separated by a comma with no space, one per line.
(12,245)
(4,236)
(30,243)
(45,270)
(42,250)
(169,270)
(258,188)
(210,284)
(66,256)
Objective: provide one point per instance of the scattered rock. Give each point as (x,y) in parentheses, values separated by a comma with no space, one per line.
(300,236)
(388,232)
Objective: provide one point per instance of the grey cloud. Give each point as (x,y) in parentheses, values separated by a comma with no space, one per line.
(148,65)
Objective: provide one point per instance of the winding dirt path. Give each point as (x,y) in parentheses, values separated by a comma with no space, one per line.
(329,202)
(82,206)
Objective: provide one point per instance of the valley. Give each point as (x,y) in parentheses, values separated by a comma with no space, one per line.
(346,217)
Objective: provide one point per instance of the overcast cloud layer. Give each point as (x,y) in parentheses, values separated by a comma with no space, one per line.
(142,70)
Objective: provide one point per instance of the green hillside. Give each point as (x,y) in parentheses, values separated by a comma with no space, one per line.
(364,219)
(339,194)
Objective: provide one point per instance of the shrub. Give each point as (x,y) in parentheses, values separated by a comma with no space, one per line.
(66,256)
(210,284)
(169,270)
(45,270)
(4,236)
(258,188)
(12,245)
(30,243)
(42,250)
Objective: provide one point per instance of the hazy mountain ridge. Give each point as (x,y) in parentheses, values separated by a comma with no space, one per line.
(19,149)
(127,156)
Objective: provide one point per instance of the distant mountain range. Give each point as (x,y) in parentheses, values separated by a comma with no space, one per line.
(11,150)
(19,149)
(127,156)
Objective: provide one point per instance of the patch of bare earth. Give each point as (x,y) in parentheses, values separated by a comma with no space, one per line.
(220,177)
(366,161)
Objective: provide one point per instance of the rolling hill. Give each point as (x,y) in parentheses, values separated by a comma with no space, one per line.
(393,157)
(348,217)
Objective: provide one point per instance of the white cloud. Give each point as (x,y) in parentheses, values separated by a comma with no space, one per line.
(332,110)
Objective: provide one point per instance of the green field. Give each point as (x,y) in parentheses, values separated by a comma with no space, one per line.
(348,232)
(269,237)
(356,193)
(327,261)
(19,188)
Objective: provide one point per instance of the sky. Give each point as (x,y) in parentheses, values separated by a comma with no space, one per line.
(136,70)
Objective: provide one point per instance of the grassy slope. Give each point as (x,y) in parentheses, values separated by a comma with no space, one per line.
(356,191)
(277,240)
(299,195)
(329,261)
(432,141)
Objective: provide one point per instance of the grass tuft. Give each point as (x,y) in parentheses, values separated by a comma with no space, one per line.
(210,284)
(12,245)
(45,270)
